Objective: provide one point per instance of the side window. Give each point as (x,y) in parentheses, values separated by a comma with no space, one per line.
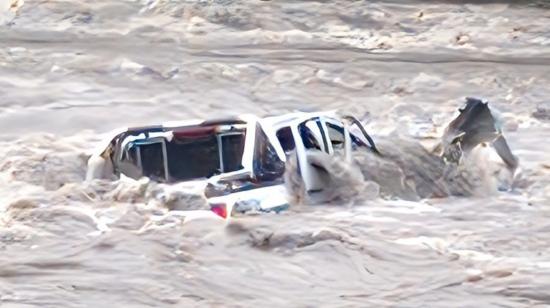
(336,136)
(310,142)
(286,139)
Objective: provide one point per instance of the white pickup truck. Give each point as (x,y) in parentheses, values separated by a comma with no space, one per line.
(241,160)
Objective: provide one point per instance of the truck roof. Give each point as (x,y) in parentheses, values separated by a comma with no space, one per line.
(295,117)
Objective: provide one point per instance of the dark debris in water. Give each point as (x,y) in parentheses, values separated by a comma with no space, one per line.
(542,112)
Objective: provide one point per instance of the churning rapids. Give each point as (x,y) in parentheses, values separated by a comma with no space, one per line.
(71,71)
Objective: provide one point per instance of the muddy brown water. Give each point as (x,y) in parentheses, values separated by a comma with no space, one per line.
(70,71)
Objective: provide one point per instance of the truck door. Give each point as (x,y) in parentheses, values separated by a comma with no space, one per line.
(310,140)
(313,138)
(339,138)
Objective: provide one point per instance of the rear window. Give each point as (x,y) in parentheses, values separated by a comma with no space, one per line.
(192,158)
(233,148)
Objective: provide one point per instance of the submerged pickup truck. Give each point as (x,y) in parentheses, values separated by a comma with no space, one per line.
(241,160)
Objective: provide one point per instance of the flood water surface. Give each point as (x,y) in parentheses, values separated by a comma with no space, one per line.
(71,71)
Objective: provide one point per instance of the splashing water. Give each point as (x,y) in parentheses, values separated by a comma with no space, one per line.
(72,70)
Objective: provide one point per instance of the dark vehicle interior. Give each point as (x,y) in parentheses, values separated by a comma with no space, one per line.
(192,153)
